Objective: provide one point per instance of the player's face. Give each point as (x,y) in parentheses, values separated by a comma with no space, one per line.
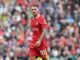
(34,10)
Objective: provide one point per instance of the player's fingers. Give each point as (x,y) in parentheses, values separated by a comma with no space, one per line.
(37,45)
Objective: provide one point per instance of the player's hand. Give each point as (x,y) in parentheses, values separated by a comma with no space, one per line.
(37,43)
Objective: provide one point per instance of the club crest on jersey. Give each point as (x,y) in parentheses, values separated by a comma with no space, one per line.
(43,52)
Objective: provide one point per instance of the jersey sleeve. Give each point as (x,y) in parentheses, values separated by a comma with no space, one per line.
(43,23)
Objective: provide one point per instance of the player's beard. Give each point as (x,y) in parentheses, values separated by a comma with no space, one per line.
(35,14)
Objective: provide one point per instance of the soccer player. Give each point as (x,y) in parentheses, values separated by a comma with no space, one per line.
(39,44)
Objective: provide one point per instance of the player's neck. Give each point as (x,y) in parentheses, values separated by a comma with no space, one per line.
(37,15)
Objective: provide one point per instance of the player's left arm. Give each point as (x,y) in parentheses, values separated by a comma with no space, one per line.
(44,27)
(42,35)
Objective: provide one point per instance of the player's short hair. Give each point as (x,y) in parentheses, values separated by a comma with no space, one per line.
(35,4)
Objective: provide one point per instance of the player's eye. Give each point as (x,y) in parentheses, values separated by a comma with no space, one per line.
(33,9)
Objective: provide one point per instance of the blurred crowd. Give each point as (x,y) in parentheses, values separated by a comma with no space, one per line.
(62,16)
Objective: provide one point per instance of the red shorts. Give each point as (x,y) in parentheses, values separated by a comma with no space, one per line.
(41,51)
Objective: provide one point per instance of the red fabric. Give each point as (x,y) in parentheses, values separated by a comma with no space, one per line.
(73,52)
(63,41)
(36,51)
(22,2)
(34,3)
(24,22)
(38,24)
(21,41)
(1,32)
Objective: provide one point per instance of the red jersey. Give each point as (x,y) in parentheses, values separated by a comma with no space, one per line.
(38,24)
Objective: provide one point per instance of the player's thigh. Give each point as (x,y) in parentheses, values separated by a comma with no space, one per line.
(47,58)
(32,52)
(32,58)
